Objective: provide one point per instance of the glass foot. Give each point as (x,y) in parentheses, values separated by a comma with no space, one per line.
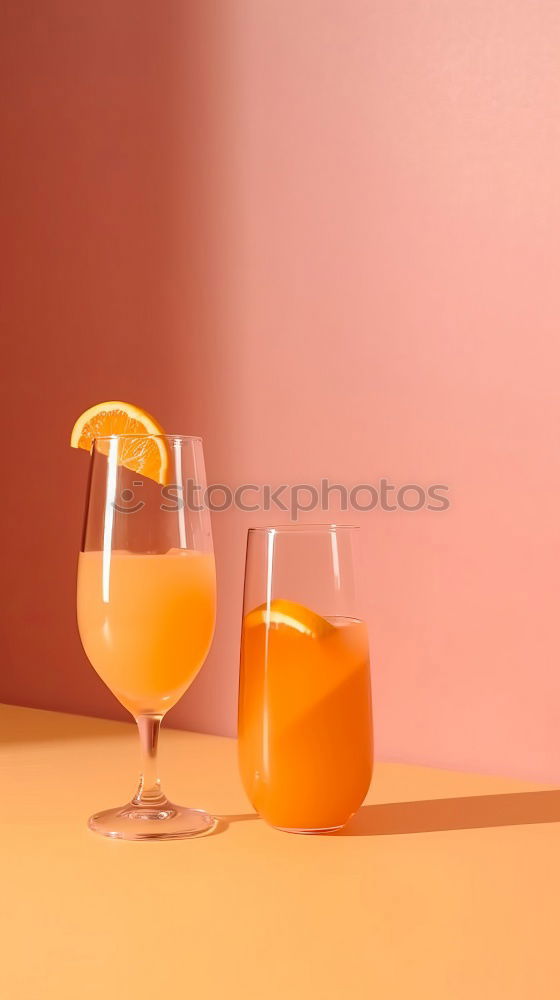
(164,821)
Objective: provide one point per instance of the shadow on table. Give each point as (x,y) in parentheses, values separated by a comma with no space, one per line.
(468,813)
(19,725)
(432,815)
(225,821)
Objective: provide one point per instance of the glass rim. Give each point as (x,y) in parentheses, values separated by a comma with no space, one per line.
(166,437)
(279,528)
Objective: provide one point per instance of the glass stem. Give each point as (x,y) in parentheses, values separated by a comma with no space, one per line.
(149,789)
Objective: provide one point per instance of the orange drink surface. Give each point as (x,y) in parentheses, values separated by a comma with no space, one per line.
(146,622)
(305,726)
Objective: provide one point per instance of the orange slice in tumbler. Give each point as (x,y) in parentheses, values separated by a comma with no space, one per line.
(289,614)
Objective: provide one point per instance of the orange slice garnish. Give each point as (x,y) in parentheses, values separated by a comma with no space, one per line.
(290,615)
(145,455)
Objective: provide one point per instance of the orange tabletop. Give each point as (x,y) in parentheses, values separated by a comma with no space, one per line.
(445,885)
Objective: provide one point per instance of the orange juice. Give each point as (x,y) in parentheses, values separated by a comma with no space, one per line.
(146,622)
(305,728)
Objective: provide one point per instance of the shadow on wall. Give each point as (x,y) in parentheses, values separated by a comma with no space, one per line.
(103,188)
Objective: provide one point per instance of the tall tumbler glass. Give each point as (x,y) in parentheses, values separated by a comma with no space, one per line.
(305,720)
(146,603)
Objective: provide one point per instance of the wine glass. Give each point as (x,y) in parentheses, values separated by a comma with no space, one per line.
(305,720)
(146,605)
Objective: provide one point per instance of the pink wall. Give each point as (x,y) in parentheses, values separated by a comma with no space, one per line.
(339,224)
